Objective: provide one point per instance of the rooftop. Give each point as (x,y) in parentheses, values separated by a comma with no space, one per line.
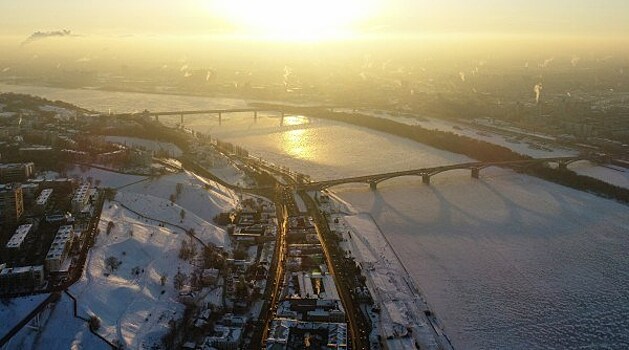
(19,236)
(63,236)
(44,196)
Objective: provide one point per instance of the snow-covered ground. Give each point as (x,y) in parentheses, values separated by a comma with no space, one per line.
(17,309)
(131,302)
(510,261)
(524,146)
(133,307)
(105,178)
(171,149)
(204,199)
(59,111)
(614,175)
(611,174)
(394,292)
(60,330)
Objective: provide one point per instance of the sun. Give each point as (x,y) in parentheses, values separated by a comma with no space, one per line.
(301,20)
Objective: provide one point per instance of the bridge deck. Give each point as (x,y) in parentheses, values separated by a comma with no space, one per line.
(431,171)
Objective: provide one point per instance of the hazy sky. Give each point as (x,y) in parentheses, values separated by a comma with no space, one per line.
(197,17)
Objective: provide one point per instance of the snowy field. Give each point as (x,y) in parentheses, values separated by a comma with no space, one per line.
(17,309)
(171,149)
(614,175)
(61,330)
(402,305)
(105,178)
(131,302)
(510,261)
(232,175)
(194,197)
(519,146)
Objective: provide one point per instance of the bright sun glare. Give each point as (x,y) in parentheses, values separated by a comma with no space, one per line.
(313,20)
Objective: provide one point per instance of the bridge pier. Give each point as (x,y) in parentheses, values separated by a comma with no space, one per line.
(156,117)
(475,173)
(563,166)
(181,122)
(282,119)
(373,185)
(255,116)
(426,179)
(220,118)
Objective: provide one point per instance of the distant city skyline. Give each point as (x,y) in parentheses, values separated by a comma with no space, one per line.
(322,19)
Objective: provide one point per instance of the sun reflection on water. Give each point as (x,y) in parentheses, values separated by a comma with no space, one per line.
(295,141)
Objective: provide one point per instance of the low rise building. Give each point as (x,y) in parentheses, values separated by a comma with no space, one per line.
(292,334)
(43,200)
(16,172)
(59,249)
(81,197)
(225,338)
(23,278)
(11,204)
(15,242)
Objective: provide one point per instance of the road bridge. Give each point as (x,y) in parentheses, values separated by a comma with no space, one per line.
(426,173)
(280,110)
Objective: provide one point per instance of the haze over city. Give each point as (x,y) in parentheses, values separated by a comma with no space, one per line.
(314,174)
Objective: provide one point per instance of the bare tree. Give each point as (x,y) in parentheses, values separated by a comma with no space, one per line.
(179,280)
(112,263)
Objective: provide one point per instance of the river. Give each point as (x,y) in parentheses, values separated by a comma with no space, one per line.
(506,262)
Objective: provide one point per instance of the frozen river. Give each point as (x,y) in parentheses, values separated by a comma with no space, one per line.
(507,261)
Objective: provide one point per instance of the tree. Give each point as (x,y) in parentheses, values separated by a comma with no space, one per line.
(179,280)
(110,226)
(112,263)
(242,291)
(178,189)
(184,251)
(193,249)
(162,279)
(94,323)
(240,254)
(109,193)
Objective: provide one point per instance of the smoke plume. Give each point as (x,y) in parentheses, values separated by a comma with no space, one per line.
(43,35)
(538,91)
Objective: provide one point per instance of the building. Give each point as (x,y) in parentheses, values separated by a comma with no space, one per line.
(81,197)
(15,242)
(11,204)
(59,249)
(29,192)
(23,278)
(225,338)
(43,200)
(292,334)
(16,172)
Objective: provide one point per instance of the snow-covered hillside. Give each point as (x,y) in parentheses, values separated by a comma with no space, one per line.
(167,147)
(205,199)
(133,305)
